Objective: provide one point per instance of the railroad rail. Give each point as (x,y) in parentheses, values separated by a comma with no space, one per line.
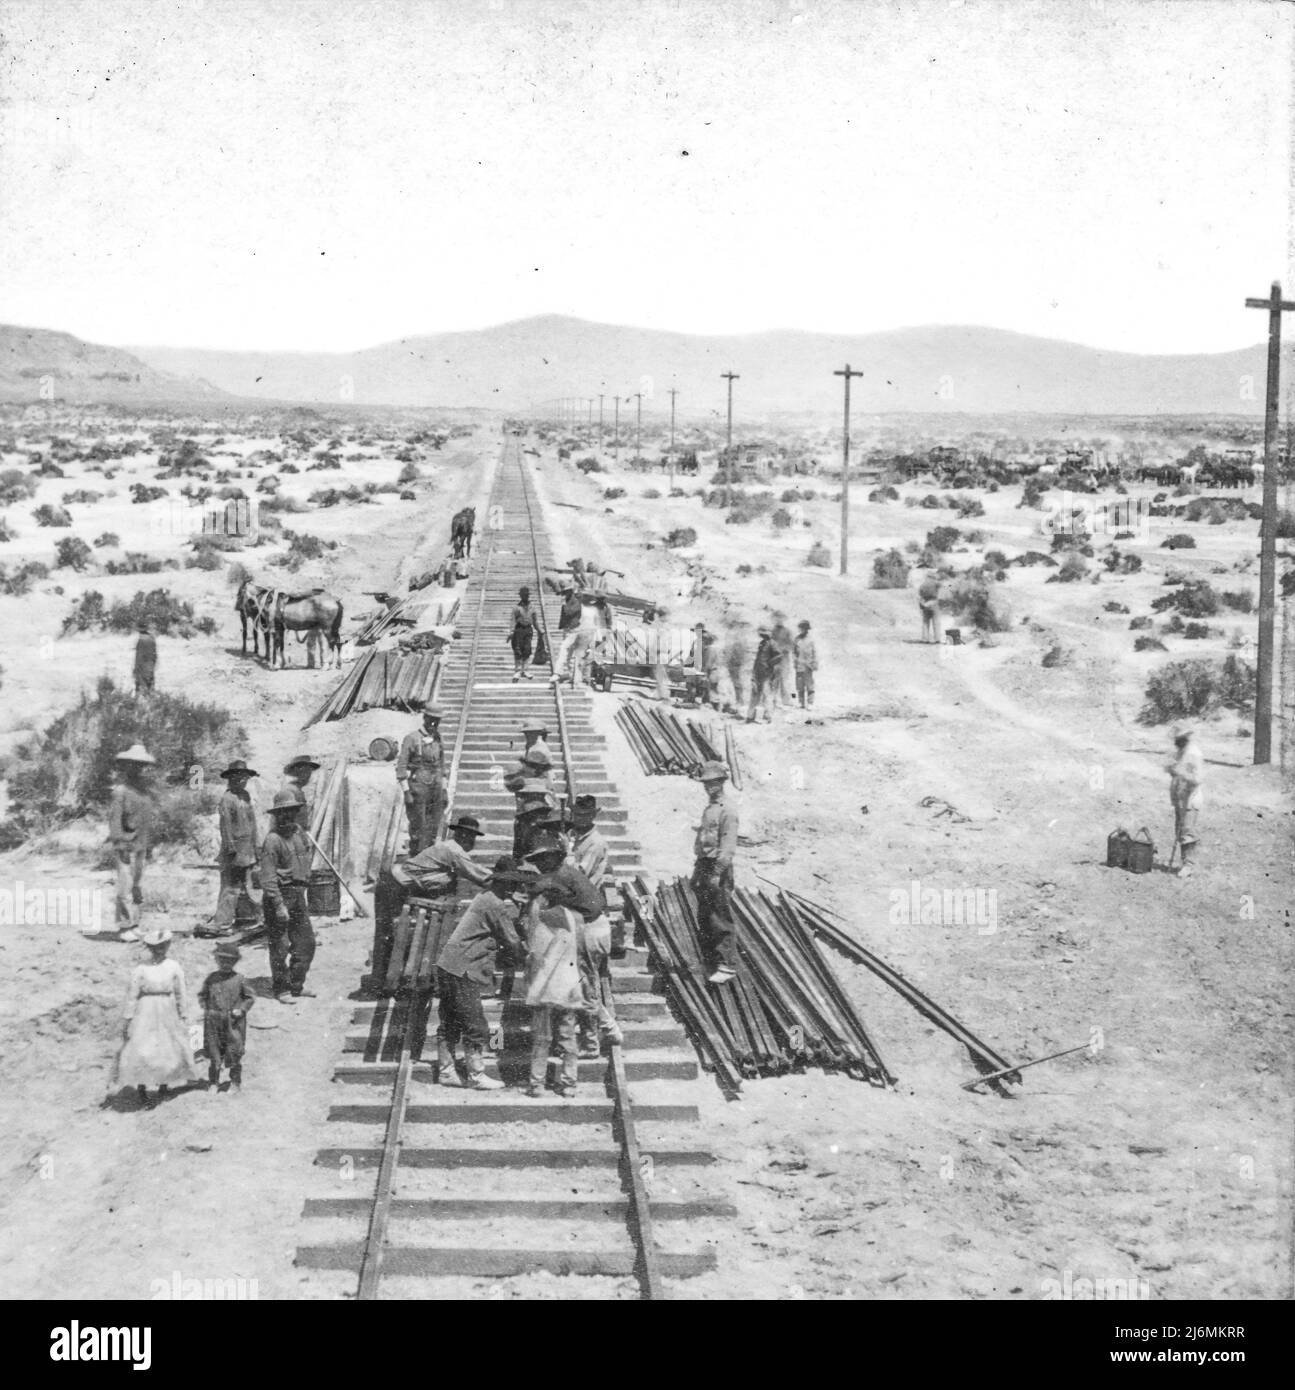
(606,1186)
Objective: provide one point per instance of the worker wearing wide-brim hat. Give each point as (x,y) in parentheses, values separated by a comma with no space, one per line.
(533,763)
(536,734)
(299,773)
(536,809)
(712,876)
(239,846)
(131,813)
(285,878)
(420,770)
(1186,776)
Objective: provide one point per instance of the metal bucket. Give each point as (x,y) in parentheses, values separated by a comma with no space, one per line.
(1117,849)
(382,750)
(1142,853)
(324,894)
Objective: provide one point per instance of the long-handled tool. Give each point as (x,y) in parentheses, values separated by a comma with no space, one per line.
(997,1075)
(359,906)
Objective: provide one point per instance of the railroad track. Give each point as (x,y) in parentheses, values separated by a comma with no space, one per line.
(446,1185)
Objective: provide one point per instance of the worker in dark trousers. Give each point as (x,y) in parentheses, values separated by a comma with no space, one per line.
(145,660)
(238,847)
(299,772)
(712,875)
(285,876)
(420,770)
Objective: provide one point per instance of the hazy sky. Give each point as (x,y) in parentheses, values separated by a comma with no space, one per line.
(330,175)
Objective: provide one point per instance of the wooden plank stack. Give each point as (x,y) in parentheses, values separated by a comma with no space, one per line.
(665,743)
(382,680)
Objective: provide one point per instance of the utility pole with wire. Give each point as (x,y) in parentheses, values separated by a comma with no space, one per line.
(616,432)
(1276,306)
(600,424)
(638,426)
(845,472)
(673,393)
(730,377)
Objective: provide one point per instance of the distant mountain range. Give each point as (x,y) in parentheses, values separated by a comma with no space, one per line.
(39,365)
(523,365)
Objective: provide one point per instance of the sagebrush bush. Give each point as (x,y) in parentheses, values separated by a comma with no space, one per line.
(748,507)
(1198,686)
(1149,644)
(781,519)
(81,495)
(16,486)
(889,571)
(680,536)
(67,771)
(941,538)
(610,494)
(1178,541)
(7,533)
(1242,601)
(165,614)
(819,556)
(1194,599)
(1073,568)
(651,493)
(979,603)
(47,515)
(72,553)
(20,581)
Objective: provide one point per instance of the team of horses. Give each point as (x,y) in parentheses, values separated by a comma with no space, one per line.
(272,613)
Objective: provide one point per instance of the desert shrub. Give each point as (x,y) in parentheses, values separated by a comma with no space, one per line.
(16,486)
(889,571)
(1242,601)
(979,603)
(141,492)
(135,562)
(748,507)
(270,483)
(1149,644)
(651,493)
(109,538)
(1032,493)
(72,553)
(1139,622)
(680,536)
(1113,607)
(819,556)
(1198,686)
(203,557)
(1125,563)
(289,468)
(590,465)
(281,502)
(931,502)
(969,506)
(610,494)
(408,474)
(1034,557)
(301,548)
(1073,567)
(1175,624)
(7,533)
(995,559)
(781,519)
(1178,541)
(1196,631)
(164,613)
(1285,524)
(974,537)
(46,515)
(68,770)
(1194,599)
(20,581)
(327,461)
(677,492)
(941,538)
(79,495)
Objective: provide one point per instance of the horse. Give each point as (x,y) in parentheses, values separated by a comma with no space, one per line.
(317,614)
(461,532)
(252,604)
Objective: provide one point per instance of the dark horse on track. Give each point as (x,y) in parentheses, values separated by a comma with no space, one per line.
(461,532)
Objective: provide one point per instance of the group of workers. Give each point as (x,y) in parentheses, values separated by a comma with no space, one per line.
(782,662)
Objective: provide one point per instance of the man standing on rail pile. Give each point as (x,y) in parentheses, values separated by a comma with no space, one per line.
(712,875)
(420,770)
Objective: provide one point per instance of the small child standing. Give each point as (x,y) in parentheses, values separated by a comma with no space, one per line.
(225,997)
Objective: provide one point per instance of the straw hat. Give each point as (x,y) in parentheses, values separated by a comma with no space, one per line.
(712,772)
(302,760)
(239,766)
(136,753)
(433,712)
(227,951)
(287,800)
(156,936)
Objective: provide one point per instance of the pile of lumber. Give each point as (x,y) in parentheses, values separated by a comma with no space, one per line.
(382,680)
(786,1009)
(388,834)
(664,742)
(330,817)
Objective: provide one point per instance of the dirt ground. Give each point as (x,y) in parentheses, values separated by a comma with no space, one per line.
(1161,1156)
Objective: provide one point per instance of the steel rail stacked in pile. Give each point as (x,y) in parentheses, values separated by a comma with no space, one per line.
(664,742)
(513,1190)
(785,1008)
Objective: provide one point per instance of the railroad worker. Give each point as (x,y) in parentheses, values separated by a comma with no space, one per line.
(536,809)
(299,773)
(420,770)
(554,995)
(562,884)
(599,939)
(225,997)
(805,658)
(928,603)
(145,660)
(521,635)
(465,970)
(570,618)
(130,824)
(536,736)
(239,844)
(285,876)
(535,765)
(1186,774)
(780,636)
(723,692)
(712,875)
(764,675)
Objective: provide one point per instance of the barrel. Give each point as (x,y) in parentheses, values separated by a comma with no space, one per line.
(324,894)
(382,750)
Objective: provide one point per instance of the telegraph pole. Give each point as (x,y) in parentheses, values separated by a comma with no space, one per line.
(730,377)
(845,473)
(673,393)
(638,426)
(600,424)
(1275,305)
(616,432)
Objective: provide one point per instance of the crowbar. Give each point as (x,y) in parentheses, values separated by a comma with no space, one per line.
(359,906)
(1021,1066)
